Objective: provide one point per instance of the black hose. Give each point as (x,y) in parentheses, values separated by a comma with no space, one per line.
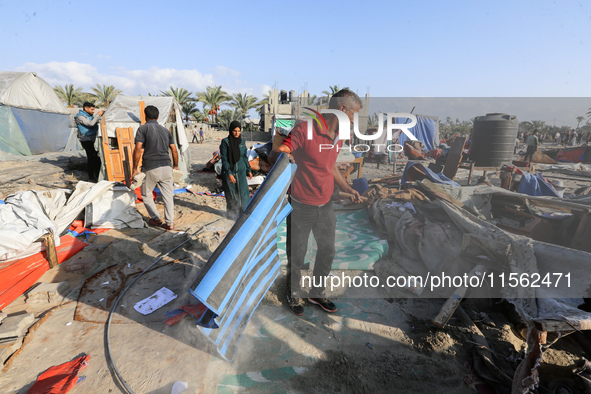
(108,353)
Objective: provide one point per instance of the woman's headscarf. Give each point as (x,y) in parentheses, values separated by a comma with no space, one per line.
(234,154)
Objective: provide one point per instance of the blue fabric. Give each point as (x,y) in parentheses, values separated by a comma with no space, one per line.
(433,177)
(424,130)
(535,185)
(43,131)
(89,131)
(2,202)
(176,191)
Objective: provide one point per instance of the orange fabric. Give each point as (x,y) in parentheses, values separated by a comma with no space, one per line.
(18,275)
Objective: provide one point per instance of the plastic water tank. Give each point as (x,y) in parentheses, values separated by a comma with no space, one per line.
(493,139)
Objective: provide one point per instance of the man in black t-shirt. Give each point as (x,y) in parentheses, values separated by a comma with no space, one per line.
(156,141)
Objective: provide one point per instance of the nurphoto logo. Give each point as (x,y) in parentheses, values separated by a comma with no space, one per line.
(345,128)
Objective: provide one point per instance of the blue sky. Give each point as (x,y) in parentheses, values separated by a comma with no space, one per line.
(389,48)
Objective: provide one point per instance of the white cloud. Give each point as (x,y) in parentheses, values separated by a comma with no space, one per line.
(151,80)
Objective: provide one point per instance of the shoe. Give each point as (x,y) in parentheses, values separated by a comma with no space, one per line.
(296,305)
(167,227)
(324,303)
(155,222)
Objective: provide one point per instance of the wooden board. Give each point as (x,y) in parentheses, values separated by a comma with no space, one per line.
(124,141)
(454,157)
(452,303)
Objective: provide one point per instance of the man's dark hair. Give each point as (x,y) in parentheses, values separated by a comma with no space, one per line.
(151,112)
(346,97)
(88,104)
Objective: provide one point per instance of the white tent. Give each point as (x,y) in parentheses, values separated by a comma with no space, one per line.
(124,112)
(33,119)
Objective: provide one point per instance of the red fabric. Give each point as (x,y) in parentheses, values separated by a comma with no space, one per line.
(313,183)
(18,275)
(60,378)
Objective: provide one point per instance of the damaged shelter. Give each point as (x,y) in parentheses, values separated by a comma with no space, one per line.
(33,120)
(115,140)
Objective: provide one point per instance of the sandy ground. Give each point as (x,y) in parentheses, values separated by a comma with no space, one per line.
(369,345)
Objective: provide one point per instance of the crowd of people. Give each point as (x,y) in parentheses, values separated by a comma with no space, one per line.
(568,138)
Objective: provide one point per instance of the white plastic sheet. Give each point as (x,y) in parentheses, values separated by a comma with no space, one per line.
(28,215)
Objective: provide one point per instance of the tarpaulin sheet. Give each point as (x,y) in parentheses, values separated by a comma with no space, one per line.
(241,270)
(18,275)
(44,131)
(28,215)
(12,139)
(426,130)
(536,185)
(433,177)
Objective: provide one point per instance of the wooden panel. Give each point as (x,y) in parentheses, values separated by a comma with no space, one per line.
(454,157)
(116,161)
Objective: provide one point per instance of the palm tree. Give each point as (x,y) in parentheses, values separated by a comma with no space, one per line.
(244,102)
(213,97)
(579,120)
(227,116)
(189,108)
(525,127)
(327,94)
(200,116)
(333,90)
(538,124)
(263,102)
(69,95)
(181,95)
(104,95)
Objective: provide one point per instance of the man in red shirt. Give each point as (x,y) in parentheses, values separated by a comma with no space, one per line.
(311,190)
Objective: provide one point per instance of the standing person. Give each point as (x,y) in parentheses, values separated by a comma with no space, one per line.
(235,169)
(532,146)
(156,141)
(194,132)
(201,134)
(87,123)
(311,191)
(516,146)
(556,137)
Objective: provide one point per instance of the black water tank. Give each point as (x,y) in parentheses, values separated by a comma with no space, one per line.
(493,139)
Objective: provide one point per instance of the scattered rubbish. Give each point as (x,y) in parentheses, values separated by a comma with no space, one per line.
(102,299)
(106,283)
(69,323)
(155,301)
(369,345)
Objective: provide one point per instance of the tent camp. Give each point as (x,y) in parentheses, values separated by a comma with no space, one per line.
(33,119)
(122,118)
